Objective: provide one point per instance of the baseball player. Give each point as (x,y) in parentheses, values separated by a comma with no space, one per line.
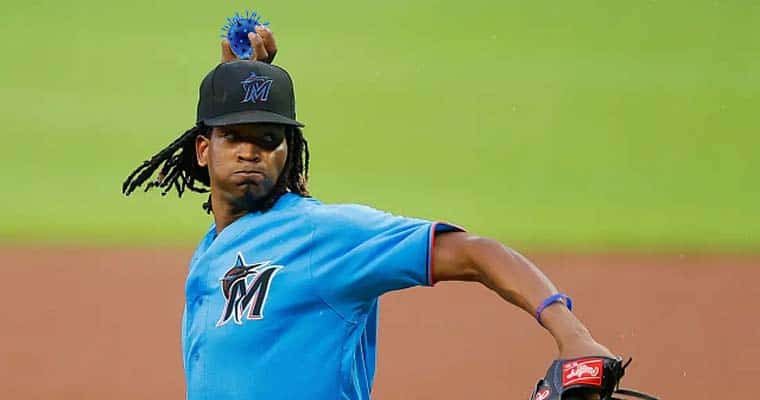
(282,291)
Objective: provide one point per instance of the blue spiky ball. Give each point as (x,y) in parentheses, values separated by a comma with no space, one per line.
(236,31)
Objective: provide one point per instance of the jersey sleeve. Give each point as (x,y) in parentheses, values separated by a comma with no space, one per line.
(359,253)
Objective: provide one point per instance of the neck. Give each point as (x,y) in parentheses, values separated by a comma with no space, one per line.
(224,213)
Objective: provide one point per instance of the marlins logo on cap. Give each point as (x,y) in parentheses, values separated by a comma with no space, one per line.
(256,88)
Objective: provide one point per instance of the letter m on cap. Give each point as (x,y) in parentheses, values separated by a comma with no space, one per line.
(256,88)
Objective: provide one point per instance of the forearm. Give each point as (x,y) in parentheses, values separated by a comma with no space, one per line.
(521,283)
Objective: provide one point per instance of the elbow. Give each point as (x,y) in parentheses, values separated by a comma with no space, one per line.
(465,257)
(483,253)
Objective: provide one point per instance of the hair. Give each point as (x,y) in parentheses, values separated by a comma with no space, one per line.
(180,170)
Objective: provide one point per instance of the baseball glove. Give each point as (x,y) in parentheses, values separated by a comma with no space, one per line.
(570,379)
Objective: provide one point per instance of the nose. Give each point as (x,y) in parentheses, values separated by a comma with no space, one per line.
(248,151)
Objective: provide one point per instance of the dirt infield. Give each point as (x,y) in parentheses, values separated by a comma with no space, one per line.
(97,324)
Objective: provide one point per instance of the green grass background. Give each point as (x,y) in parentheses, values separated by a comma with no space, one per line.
(584,125)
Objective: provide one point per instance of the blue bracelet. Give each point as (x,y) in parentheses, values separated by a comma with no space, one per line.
(555,298)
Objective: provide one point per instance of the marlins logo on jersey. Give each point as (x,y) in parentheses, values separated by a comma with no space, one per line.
(245,288)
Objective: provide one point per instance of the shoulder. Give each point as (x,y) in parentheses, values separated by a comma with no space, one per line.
(354,216)
(343,212)
(326,217)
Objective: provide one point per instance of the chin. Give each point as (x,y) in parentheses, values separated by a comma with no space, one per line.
(256,192)
(250,198)
(254,198)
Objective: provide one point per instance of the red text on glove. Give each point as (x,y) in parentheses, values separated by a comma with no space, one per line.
(585,372)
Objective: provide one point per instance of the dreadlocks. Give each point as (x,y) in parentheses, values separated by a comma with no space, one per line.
(180,170)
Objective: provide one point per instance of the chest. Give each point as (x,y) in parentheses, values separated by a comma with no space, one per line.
(249,282)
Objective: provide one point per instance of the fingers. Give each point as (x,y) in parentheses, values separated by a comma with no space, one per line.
(269,43)
(260,52)
(263,46)
(227,54)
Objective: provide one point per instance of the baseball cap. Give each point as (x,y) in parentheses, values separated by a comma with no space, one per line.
(243,91)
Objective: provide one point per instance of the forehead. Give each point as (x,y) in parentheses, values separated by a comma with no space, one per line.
(252,129)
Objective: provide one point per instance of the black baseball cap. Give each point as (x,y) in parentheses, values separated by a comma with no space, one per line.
(241,92)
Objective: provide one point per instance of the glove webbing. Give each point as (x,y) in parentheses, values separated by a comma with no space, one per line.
(630,392)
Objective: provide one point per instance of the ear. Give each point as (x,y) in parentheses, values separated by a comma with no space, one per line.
(201,150)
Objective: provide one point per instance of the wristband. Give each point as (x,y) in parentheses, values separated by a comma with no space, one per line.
(555,298)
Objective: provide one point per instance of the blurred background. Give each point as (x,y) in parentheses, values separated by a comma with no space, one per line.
(579,126)
(614,142)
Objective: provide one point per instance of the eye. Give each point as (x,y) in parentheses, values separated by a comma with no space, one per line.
(230,135)
(269,141)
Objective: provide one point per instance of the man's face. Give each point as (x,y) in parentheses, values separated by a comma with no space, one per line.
(244,161)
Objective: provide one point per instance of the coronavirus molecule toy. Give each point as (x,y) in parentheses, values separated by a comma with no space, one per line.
(236,30)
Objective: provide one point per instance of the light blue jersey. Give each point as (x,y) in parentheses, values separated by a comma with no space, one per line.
(283,304)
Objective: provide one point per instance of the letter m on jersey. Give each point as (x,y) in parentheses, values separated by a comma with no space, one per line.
(256,88)
(245,288)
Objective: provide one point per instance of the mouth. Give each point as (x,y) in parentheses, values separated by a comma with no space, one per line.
(249,173)
(250,176)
